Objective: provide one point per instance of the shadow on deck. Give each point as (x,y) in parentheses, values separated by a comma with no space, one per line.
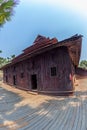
(20,110)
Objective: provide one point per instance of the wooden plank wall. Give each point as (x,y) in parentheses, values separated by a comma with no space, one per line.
(41,66)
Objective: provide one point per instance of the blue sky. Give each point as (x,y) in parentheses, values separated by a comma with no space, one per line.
(51,18)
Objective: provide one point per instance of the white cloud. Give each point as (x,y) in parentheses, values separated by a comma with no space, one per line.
(78,6)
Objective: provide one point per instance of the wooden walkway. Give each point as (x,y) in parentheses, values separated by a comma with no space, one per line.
(20,110)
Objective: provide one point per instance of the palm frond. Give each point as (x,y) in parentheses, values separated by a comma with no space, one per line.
(6,10)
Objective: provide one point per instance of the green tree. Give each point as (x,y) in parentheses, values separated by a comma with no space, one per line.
(6,10)
(83,64)
(0,51)
(12,56)
(4,61)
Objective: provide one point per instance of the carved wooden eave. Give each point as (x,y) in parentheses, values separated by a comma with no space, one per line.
(75,51)
(74,45)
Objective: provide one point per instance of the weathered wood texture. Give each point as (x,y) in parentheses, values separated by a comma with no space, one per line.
(41,66)
(47,65)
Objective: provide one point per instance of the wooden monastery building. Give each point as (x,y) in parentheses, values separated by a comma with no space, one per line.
(48,66)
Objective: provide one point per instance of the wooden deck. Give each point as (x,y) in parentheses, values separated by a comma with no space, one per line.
(20,110)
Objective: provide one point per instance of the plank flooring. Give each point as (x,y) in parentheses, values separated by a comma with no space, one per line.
(21,110)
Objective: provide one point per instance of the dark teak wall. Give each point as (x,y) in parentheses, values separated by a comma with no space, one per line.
(41,66)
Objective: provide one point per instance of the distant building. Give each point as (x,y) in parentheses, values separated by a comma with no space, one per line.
(48,66)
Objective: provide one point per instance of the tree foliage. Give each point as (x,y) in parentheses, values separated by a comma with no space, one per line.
(83,64)
(0,51)
(4,61)
(6,10)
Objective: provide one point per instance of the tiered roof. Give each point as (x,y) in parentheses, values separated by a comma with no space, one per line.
(43,44)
